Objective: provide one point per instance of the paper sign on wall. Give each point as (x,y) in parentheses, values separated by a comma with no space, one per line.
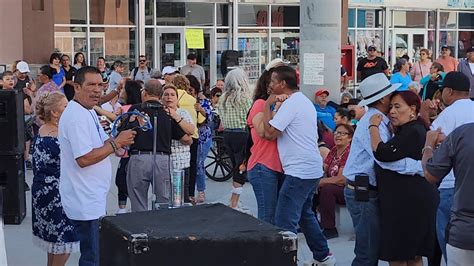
(194,38)
(313,69)
(169,48)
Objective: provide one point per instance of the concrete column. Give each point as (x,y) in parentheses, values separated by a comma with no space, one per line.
(320,47)
(141,29)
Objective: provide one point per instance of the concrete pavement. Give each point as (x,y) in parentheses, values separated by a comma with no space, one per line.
(22,252)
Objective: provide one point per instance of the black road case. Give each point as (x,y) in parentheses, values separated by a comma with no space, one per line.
(205,235)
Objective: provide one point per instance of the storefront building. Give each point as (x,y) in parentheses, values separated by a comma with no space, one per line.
(260,30)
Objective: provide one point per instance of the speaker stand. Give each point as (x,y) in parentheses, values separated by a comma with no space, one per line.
(3,250)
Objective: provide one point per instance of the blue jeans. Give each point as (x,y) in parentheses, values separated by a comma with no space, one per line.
(366,221)
(88,232)
(443,215)
(265,186)
(203,150)
(294,206)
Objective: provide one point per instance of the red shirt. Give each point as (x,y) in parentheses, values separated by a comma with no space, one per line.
(335,162)
(263,151)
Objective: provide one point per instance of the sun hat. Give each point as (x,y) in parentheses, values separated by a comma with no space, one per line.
(23,67)
(275,63)
(169,70)
(376,87)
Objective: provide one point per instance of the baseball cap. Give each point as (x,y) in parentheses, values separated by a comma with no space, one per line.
(23,67)
(445,47)
(457,81)
(192,56)
(470,50)
(321,92)
(169,70)
(371,48)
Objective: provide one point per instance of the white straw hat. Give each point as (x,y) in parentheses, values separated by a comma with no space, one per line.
(375,88)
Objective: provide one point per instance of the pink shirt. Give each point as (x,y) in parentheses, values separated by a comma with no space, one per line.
(449,64)
(263,151)
(419,70)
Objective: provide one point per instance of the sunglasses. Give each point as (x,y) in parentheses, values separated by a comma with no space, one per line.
(142,61)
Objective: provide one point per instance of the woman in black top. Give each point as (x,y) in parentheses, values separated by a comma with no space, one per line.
(408,203)
(70,73)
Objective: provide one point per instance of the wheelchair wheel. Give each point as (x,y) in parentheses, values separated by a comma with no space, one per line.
(218,164)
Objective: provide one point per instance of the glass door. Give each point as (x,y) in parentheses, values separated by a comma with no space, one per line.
(205,57)
(408,42)
(170,48)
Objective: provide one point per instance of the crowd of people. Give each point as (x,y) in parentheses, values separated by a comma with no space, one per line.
(397,157)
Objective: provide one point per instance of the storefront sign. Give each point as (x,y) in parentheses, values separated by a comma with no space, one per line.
(194,38)
(461,3)
(313,69)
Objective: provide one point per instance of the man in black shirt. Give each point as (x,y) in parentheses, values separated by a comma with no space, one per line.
(372,64)
(140,167)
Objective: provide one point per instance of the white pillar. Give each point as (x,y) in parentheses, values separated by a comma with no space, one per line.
(141,28)
(320,47)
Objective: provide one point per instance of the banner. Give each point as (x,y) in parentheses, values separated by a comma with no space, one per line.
(194,38)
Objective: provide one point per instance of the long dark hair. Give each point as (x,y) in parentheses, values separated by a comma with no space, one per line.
(133,90)
(261,88)
(83,56)
(412,99)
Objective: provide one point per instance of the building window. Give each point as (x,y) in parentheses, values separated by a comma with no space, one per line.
(448,38)
(253,15)
(285,44)
(149,11)
(112,12)
(447,20)
(409,19)
(150,45)
(223,15)
(184,14)
(369,18)
(466,20)
(466,40)
(70,11)
(70,40)
(351,18)
(253,52)
(113,44)
(285,16)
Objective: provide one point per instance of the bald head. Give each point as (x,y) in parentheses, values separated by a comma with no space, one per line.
(153,88)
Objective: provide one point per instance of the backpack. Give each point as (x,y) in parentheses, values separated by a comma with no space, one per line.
(135,71)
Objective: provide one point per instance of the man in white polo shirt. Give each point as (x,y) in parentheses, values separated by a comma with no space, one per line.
(85,167)
(295,128)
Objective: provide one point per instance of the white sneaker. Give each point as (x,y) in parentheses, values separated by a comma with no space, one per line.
(330,260)
(121,211)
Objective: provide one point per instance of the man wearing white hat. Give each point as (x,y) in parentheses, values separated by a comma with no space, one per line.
(22,79)
(361,186)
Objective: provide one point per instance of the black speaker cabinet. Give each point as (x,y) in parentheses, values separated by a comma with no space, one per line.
(229,58)
(12,122)
(12,182)
(208,235)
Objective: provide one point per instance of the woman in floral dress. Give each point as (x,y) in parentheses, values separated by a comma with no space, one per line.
(52,230)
